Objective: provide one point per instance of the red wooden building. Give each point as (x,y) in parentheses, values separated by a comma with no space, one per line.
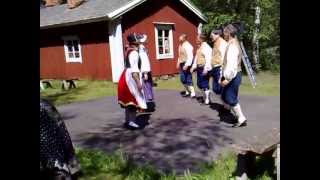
(88,41)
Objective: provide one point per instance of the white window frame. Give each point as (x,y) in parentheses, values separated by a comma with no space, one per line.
(66,51)
(164,26)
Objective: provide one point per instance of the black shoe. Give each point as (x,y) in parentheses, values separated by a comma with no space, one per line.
(223,110)
(127,126)
(204,104)
(185,95)
(193,97)
(243,124)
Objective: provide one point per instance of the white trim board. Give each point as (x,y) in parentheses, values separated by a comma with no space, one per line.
(171,54)
(194,9)
(122,10)
(116,49)
(125,8)
(118,12)
(169,23)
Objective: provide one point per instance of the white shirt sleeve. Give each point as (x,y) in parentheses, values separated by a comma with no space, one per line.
(145,62)
(231,67)
(194,65)
(222,49)
(133,59)
(207,51)
(189,49)
(178,61)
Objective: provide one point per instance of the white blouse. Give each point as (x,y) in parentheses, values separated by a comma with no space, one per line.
(145,62)
(207,52)
(230,69)
(189,50)
(133,60)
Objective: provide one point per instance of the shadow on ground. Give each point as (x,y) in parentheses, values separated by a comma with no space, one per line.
(167,144)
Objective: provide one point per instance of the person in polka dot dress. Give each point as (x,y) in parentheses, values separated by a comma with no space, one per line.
(57,155)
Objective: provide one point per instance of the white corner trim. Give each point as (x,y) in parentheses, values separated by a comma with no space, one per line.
(194,9)
(116,49)
(116,13)
(200,28)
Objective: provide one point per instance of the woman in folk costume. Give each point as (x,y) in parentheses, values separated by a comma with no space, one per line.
(218,52)
(184,64)
(147,83)
(202,63)
(130,93)
(231,74)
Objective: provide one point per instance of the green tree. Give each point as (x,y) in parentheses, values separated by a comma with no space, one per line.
(220,12)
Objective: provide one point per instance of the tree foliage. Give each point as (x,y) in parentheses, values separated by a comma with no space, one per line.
(220,12)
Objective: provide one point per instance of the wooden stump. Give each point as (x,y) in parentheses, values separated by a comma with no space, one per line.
(264,144)
(45,83)
(71,83)
(41,86)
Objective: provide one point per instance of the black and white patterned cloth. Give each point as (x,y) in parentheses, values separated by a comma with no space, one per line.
(56,149)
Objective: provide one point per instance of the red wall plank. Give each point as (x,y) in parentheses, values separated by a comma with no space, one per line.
(95,51)
(141,20)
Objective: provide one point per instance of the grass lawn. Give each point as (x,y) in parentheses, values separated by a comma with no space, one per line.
(86,90)
(268,84)
(97,165)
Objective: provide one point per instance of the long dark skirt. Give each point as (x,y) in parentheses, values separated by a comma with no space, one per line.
(148,88)
(148,92)
(56,149)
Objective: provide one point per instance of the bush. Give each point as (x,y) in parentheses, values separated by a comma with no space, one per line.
(270,60)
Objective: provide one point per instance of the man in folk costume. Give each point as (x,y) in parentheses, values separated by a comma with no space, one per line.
(218,52)
(202,63)
(130,93)
(147,83)
(184,64)
(231,74)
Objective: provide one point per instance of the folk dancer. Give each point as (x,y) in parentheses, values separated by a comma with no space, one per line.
(231,74)
(202,63)
(130,93)
(147,83)
(184,65)
(218,52)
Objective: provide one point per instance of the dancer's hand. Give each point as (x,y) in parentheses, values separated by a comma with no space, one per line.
(178,66)
(192,69)
(185,67)
(205,72)
(139,86)
(145,76)
(224,83)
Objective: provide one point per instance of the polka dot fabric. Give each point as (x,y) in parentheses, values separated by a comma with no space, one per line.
(56,149)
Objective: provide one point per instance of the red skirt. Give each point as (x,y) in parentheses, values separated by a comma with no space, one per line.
(125,98)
